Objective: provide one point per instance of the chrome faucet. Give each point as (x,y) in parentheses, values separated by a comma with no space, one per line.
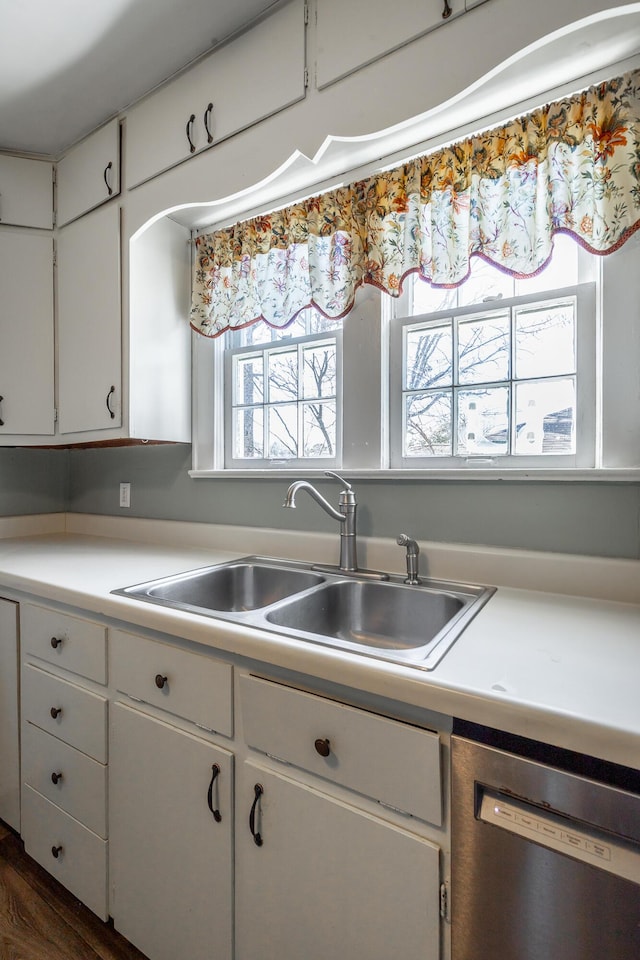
(413,551)
(345,515)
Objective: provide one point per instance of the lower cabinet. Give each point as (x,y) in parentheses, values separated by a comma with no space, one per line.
(171,838)
(318,878)
(9,720)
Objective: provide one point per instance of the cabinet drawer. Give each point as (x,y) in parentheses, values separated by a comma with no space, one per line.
(80,786)
(393,762)
(80,864)
(81,718)
(189,685)
(69,642)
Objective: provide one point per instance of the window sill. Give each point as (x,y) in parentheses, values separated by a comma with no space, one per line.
(575,474)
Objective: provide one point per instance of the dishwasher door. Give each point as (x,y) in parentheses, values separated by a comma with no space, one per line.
(545,863)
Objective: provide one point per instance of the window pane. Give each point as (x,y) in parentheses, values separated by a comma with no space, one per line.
(319,429)
(283,431)
(248,426)
(256,333)
(428,352)
(546,417)
(248,380)
(545,340)
(428,299)
(428,430)
(483,422)
(319,370)
(282,369)
(485,282)
(483,349)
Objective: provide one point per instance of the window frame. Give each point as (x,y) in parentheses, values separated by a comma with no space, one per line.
(586,385)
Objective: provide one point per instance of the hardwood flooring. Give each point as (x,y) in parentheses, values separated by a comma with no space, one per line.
(40,920)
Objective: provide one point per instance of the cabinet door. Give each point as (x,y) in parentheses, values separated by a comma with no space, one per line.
(328,879)
(89,174)
(353,33)
(26,333)
(89,322)
(254,76)
(9,736)
(170,858)
(26,192)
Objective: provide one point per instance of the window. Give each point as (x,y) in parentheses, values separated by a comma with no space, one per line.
(282,394)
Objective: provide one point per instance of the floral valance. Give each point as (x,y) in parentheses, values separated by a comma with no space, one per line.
(572,166)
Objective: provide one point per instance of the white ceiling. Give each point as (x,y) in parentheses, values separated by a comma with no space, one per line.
(67,66)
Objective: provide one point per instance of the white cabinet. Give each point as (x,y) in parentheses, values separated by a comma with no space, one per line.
(26,192)
(64,754)
(353,33)
(89,323)
(171,819)
(89,174)
(9,721)
(248,79)
(322,871)
(26,333)
(328,879)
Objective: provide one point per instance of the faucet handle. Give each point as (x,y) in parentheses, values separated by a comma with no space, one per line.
(336,476)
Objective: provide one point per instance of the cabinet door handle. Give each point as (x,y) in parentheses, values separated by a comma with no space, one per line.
(323,746)
(189,130)
(112,390)
(207,117)
(106,177)
(446,13)
(161,681)
(55,712)
(258,791)
(56,642)
(56,851)
(215,770)
(1,420)
(56,777)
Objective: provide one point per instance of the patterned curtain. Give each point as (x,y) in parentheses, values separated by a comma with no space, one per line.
(572,166)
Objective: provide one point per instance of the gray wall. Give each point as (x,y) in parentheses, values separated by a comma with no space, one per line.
(33,481)
(601,519)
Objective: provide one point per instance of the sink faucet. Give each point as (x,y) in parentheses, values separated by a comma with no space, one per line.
(345,515)
(413,551)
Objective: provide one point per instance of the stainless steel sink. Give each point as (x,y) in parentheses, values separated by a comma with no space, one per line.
(227,588)
(386,620)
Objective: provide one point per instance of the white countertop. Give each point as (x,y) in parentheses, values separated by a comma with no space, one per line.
(557,668)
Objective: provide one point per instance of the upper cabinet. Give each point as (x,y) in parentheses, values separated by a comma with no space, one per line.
(353,33)
(26,192)
(250,78)
(89,174)
(26,334)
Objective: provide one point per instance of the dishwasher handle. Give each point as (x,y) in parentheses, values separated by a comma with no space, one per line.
(561,834)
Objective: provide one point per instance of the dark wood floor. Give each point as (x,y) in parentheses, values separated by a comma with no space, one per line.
(40,920)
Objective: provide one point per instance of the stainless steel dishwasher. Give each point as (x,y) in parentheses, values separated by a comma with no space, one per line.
(545,852)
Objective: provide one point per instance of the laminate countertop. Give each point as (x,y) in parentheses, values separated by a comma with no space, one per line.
(558,668)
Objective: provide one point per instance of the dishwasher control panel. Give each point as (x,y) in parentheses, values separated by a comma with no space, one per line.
(558,833)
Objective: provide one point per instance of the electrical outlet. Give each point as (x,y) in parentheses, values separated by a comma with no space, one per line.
(125,494)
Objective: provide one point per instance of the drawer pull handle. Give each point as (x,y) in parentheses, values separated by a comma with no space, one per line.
(56,851)
(215,770)
(112,412)
(258,791)
(323,746)
(55,712)
(161,681)
(106,175)
(56,777)
(56,642)
(446,13)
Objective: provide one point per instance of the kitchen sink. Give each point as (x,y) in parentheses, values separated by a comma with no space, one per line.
(227,588)
(382,619)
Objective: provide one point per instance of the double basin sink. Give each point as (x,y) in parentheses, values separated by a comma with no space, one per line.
(387,620)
